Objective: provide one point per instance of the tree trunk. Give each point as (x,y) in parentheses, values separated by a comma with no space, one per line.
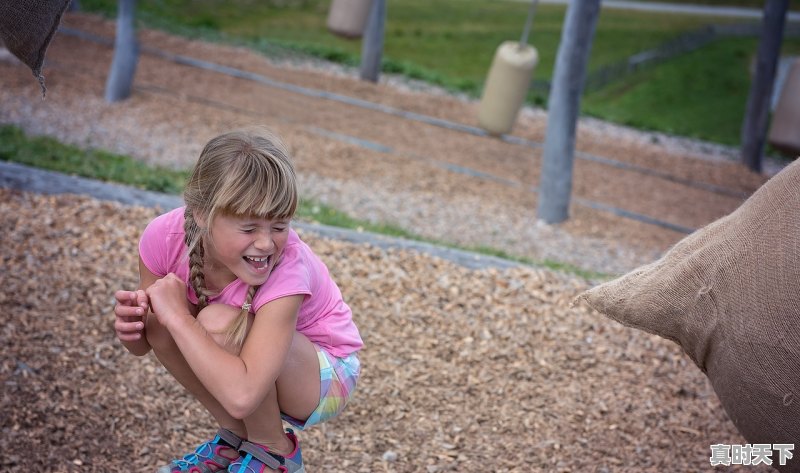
(555,185)
(372,45)
(756,117)
(126,54)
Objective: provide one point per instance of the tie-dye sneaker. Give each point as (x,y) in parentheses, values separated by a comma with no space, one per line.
(258,459)
(212,456)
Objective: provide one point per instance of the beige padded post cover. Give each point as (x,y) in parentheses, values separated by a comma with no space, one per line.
(348,18)
(784,133)
(729,295)
(506,86)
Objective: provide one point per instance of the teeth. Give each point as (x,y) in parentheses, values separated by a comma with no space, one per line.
(258,260)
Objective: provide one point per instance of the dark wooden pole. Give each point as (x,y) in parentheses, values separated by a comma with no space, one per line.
(563,106)
(126,54)
(372,44)
(756,117)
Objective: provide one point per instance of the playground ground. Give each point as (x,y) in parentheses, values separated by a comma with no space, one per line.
(464,369)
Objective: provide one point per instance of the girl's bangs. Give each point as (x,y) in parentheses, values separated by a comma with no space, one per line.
(260,206)
(252,195)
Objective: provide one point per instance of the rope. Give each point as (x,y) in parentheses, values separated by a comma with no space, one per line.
(523,41)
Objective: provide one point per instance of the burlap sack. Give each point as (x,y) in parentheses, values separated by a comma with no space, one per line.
(26,28)
(729,295)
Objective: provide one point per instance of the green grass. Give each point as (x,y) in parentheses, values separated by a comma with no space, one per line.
(669,100)
(48,153)
(702,94)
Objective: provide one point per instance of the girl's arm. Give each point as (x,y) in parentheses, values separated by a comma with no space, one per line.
(239,383)
(131,312)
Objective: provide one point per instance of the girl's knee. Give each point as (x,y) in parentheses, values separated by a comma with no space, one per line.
(216,319)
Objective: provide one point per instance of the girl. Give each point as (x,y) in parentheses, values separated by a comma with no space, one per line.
(240,311)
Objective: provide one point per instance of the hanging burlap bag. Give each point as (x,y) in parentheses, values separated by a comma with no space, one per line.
(729,295)
(27,27)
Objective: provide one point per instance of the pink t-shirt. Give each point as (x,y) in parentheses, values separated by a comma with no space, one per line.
(323,316)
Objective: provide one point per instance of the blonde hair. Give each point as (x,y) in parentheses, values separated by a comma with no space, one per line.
(241,173)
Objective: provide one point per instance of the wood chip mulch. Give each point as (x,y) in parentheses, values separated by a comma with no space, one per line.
(463,370)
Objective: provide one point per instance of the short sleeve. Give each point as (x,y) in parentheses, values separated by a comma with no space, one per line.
(157,246)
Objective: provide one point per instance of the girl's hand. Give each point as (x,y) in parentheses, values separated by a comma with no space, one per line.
(130,311)
(168,299)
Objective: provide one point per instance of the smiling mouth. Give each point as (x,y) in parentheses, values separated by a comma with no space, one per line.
(257,263)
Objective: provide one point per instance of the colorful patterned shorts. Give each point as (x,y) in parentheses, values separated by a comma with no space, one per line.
(338,378)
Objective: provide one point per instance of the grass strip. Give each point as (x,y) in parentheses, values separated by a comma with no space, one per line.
(49,153)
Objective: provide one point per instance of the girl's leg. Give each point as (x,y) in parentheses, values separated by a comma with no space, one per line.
(170,356)
(296,392)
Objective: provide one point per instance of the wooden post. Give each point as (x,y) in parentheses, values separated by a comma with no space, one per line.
(563,106)
(126,54)
(756,117)
(372,45)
